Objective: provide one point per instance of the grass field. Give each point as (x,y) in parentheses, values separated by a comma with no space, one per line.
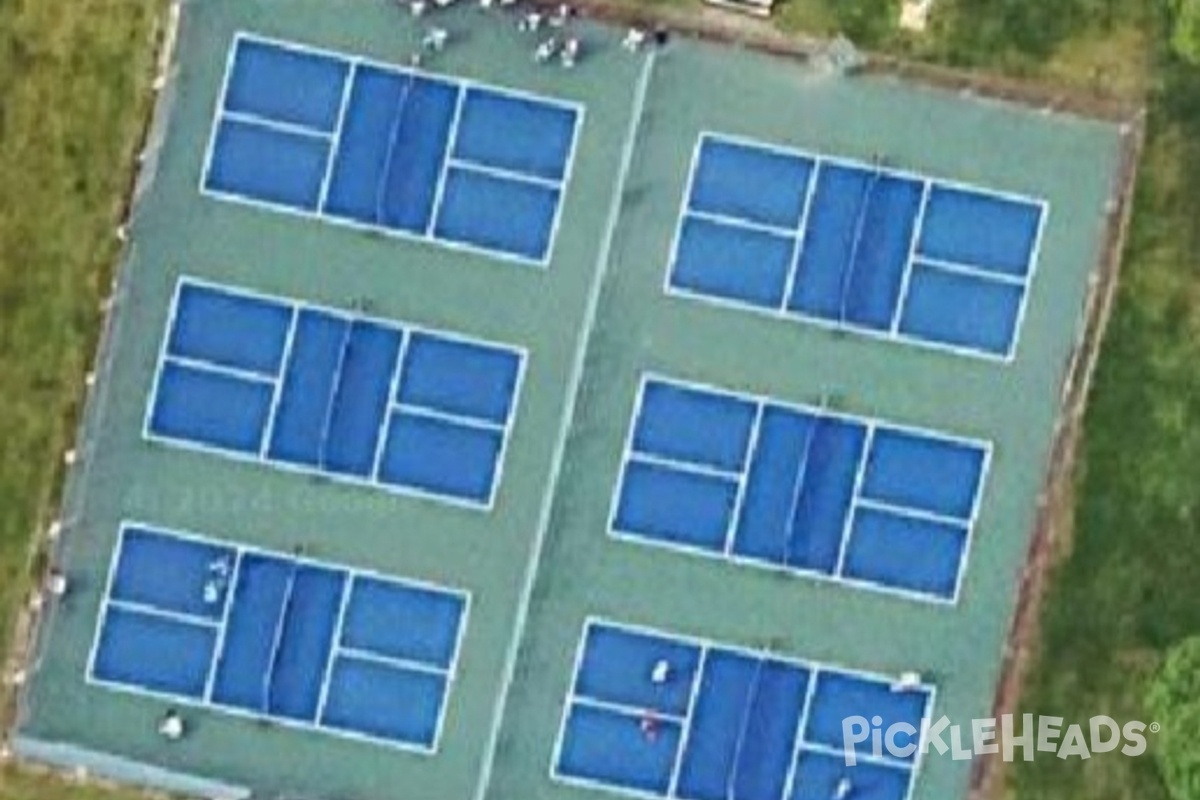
(75,91)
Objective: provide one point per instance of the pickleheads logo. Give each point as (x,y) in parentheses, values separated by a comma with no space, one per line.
(989,736)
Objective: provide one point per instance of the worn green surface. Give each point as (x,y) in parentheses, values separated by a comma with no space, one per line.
(691,87)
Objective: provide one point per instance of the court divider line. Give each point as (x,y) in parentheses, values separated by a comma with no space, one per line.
(285,362)
(568,703)
(335,646)
(789,780)
(335,141)
(848,523)
(913,242)
(1035,257)
(743,479)
(810,192)
(439,191)
(385,428)
(574,388)
(210,683)
(254,120)
(685,733)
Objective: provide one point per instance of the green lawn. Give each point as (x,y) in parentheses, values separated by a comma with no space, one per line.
(74,85)
(73,93)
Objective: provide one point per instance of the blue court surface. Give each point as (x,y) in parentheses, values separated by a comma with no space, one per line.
(278,637)
(856,246)
(803,489)
(397,150)
(347,397)
(725,723)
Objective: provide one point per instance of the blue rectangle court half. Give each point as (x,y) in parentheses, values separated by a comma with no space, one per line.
(657,715)
(807,490)
(398,150)
(278,637)
(342,395)
(856,246)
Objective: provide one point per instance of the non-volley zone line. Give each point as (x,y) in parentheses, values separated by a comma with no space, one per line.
(856,245)
(182,619)
(656,714)
(333,393)
(464,164)
(822,493)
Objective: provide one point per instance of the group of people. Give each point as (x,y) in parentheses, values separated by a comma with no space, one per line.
(562,44)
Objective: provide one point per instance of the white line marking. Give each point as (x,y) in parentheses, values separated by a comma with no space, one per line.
(802,236)
(219,649)
(906,276)
(220,369)
(466,165)
(289,341)
(403,664)
(688,467)
(743,479)
(335,143)
(335,645)
(182,617)
(789,780)
(393,390)
(574,385)
(439,191)
(686,734)
(278,126)
(745,224)
(910,512)
(447,416)
(848,523)
(968,271)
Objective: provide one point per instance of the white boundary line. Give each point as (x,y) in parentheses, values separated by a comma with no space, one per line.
(981,275)
(686,467)
(565,711)
(859,164)
(218,113)
(219,647)
(299,562)
(500,173)
(400,326)
(183,618)
(733,222)
(285,363)
(385,430)
(812,668)
(1035,258)
(574,387)
(439,191)
(981,487)
(213,368)
(743,478)
(860,472)
(690,712)
(870,424)
(789,780)
(335,142)
(277,126)
(906,277)
(810,193)
(335,645)
(354,62)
